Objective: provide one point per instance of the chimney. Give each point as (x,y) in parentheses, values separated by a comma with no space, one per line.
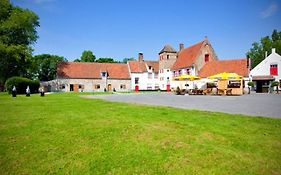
(273,50)
(140,57)
(181,46)
(265,54)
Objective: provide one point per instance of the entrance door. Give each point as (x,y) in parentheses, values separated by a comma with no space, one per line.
(168,88)
(71,87)
(109,88)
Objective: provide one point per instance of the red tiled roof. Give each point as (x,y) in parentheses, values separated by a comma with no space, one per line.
(92,70)
(140,66)
(137,66)
(231,66)
(154,64)
(187,56)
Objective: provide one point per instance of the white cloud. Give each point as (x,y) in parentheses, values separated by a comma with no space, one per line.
(270,10)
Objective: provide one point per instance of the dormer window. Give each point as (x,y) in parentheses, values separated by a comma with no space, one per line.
(103,74)
(149,67)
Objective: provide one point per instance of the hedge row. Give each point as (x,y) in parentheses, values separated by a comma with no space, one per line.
(21,84)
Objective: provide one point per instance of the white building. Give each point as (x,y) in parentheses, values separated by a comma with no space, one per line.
(144,74)
(267,71)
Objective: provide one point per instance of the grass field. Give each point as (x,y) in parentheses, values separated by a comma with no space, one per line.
(65,134)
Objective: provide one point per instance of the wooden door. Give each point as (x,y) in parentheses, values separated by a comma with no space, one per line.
(109,87)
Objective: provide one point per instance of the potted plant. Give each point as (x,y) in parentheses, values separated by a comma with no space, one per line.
(250,84)
(275,83)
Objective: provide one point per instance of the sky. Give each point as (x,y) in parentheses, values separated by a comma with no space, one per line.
(122,28)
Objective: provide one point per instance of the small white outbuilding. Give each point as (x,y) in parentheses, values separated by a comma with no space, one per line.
(267,71)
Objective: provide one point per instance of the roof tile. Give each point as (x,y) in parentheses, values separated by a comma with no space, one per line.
(231,66)
(92,70)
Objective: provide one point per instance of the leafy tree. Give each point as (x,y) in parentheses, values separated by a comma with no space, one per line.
(77,60)
(44,66)
(258,50)
(125,60)
(106,60)
(88,56)
(17,33)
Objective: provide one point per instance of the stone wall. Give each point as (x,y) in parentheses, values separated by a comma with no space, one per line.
(90,85)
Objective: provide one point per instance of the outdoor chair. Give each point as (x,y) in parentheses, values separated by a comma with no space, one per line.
(229,92)
(220,92)
(207,91)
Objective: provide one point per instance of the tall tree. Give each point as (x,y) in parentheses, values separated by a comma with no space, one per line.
(106,60)
(88,56)
(17,33)
(258,51)
(44,66)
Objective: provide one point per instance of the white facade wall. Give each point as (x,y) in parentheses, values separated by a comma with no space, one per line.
(263,68)
(145,83)
(89,85)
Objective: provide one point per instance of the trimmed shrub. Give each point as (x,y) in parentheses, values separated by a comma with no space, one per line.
(274,83)
(21,84)
(250,83)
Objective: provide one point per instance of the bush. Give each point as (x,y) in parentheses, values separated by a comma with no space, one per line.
(21,84)
(250,84)
(211,85)
(274,83)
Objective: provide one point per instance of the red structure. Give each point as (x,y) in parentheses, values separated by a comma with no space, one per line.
(137,88)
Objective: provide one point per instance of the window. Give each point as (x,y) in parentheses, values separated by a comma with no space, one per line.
(149,75)
(149,86)
(122,86)
(273,69)
(97,86)
(156,87)
(63,86)
(103,74)
(155,75)
(136,80)
(179,72)
(168,78)
(80,86)
(149,67)
(168,70)
(168,56)
(187,72)
(207,57)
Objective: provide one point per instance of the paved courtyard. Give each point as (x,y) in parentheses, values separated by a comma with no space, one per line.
(267,105)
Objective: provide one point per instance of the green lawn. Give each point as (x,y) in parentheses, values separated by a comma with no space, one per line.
(65,134)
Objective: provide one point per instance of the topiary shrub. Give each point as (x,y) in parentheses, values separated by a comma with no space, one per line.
(250,84)
(21,84)
(275,83)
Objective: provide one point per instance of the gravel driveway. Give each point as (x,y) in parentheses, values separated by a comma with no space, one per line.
(267,105)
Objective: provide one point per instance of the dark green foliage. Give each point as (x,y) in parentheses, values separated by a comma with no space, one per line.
(274,83)
(77,60)
(250,83)
(125,60)
(44,66)
(17,33)
(88,56)
(258,51)
(106,60)
(21,84)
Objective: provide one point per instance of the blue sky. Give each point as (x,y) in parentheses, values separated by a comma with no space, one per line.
(122,28)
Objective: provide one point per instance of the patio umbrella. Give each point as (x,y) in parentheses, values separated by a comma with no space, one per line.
(186,77)
(225,76)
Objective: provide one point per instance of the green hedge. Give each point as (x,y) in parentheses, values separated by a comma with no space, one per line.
(21,84)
